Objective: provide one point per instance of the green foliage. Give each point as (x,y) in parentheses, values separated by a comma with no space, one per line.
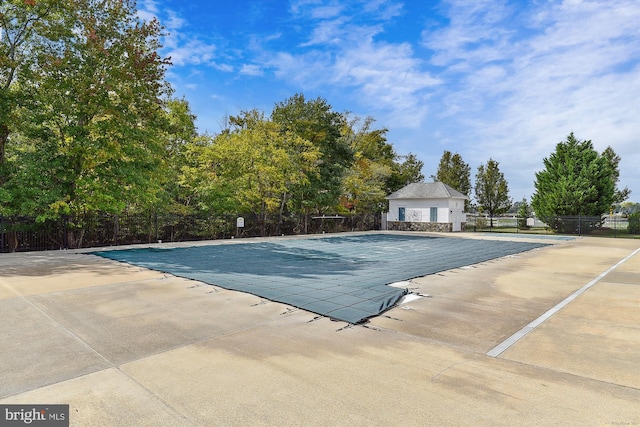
(576,181)
(613,161)
(364,183)
(454,172)
(29,32)
(627,208)
(634,223)
(316,122)
(89,136)
(480,222)
(182,146)
(492,192)
(87,125)
(251,168)
(524,212)
(405,172)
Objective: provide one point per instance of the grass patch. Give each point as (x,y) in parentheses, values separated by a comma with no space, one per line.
(600,232)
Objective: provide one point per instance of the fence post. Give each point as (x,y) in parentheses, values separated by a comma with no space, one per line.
(156,225)
(65,236)
(579,224)
(117,228)
(1,234)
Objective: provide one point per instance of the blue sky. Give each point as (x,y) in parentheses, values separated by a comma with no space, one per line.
(506,80)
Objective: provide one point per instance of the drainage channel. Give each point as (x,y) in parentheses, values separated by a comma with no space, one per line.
(504,345)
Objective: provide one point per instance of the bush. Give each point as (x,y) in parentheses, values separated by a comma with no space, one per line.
(634,223)
(481,222)
(522,224)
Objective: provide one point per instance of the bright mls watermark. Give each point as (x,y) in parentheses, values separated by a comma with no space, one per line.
(34,415)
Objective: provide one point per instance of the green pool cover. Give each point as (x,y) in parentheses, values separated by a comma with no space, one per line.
(341,277)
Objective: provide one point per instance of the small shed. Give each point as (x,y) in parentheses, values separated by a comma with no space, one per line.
(426,206)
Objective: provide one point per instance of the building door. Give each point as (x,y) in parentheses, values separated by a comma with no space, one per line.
(456,219)
(401,214)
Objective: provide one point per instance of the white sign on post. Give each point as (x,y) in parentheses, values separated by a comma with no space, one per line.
(240,222)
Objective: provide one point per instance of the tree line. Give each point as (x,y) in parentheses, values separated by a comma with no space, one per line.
(576,180)
(88,123)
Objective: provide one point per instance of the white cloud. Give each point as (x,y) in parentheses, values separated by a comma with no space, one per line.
(386,9)
(309,70)
(341,53)
(389,79)
(191,52)
(148,10)
(251,70)
(183,48)
(472,30)
(519,84)
(324,12)
(174,21)
(150,5)
(300,7)
(328,32)
(227,68)
(494,78)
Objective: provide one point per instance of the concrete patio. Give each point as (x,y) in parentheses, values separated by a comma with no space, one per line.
(127,346)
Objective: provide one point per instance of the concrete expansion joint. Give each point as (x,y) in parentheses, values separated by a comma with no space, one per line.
(155,396)
(506,344)
(448,368)
(570,374)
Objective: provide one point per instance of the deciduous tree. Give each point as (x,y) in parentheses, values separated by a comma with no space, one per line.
(316,122)
(364,184)
(252,167)
(91,122)
(492,190)
(28,31)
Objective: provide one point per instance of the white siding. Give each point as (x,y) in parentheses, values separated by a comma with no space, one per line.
(417,210)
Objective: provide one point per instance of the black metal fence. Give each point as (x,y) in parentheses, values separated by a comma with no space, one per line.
(101,229)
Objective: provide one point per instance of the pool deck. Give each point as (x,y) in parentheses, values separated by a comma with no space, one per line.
(127,346)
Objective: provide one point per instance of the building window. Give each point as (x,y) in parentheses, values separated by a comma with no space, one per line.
(434,215)
(401,214)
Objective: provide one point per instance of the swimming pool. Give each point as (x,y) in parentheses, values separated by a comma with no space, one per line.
(341,277)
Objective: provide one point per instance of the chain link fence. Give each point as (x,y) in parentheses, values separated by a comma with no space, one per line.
(606,225)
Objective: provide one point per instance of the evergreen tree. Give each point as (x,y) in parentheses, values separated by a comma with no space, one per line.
(406,170)
(576,180)
(614,160)
(524,212)
(454,172)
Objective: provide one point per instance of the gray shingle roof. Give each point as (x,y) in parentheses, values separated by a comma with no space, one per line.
(427,190)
